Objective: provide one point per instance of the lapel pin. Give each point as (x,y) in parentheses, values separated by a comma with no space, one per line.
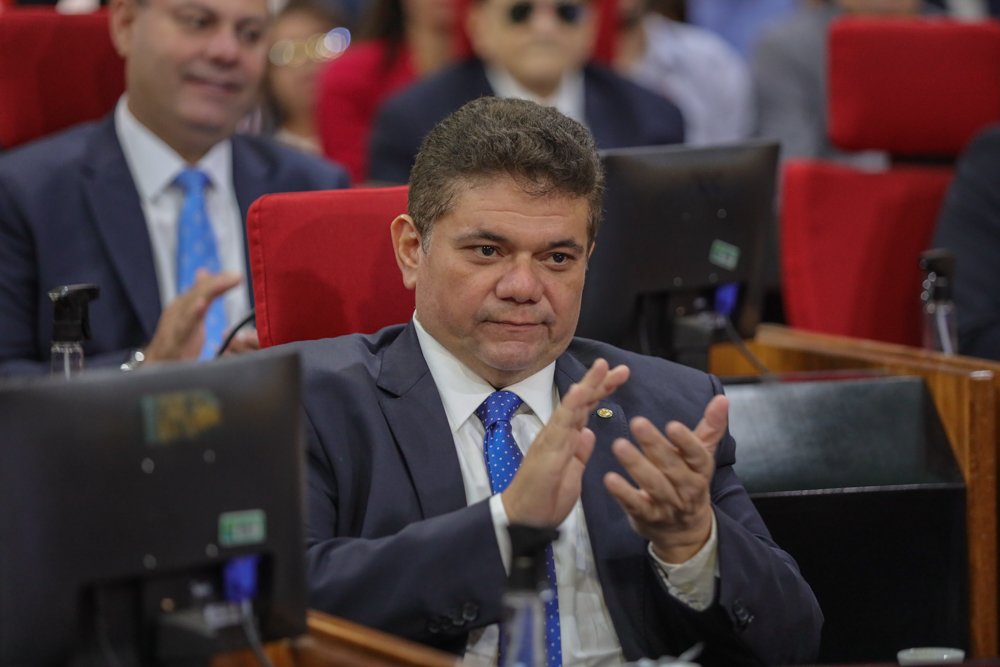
(604,413)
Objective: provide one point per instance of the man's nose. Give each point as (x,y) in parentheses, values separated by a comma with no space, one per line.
(520,282)
(224,46)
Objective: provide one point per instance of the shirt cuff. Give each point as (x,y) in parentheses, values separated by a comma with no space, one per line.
(500,523)
(693,582)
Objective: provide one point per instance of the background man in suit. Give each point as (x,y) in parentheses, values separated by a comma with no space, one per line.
(417,433)
(529,49)
(150,202)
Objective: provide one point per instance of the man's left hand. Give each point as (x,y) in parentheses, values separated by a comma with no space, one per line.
(672,506)
(243,342)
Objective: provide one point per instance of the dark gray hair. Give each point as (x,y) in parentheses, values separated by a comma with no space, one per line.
(544,152)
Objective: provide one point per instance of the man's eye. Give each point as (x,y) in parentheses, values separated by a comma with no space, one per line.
(487,250)
(195,21)
(559,257)
(251,35)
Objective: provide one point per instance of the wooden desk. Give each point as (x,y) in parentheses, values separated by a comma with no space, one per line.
(967,394)
(334,642)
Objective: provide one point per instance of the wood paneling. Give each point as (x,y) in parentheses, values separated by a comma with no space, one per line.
(334,642)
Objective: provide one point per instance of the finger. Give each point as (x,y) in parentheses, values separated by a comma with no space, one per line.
(654,443)
(634,501)
(649,478)
(692,450)
(251,339)
(213,285)
(614,378)
(585,446)
(713,424)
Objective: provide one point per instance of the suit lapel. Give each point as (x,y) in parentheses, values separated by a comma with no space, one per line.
(618,550)
(606,520)
(251,180)
(603,113)
(117,211)
(478,85)
(418,422)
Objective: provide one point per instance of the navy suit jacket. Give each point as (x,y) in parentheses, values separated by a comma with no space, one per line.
(969,226)
(619,114)
(70,213)
(392,543)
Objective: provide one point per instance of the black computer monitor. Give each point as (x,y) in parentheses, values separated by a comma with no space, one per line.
(129,500)
(679,224)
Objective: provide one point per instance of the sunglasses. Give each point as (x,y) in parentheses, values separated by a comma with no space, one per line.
(568,12)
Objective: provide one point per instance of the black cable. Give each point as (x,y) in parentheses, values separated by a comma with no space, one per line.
(253,638)
(232,334)
(103,635)
(734,337)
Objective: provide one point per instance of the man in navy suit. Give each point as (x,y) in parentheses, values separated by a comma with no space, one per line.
(530,49)
(102,203)
(412,431)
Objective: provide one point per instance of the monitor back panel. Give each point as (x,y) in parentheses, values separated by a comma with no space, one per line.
(114,476)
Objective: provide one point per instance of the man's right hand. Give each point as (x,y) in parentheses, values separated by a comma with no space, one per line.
(547,485)
(180,333)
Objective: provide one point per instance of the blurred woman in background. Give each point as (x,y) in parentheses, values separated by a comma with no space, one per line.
(404,40)
(301,42)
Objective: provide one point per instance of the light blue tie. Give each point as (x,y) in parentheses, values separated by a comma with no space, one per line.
(196,249)
(503,458)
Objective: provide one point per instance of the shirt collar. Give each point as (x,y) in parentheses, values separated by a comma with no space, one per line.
(568,97)
(155,165)
(462,390)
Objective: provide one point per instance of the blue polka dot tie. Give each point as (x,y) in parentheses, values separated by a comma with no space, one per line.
(503,458)
(196,249)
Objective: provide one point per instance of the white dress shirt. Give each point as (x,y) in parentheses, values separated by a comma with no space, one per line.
(568,98)
(587,633)
(154,166)
(702,74)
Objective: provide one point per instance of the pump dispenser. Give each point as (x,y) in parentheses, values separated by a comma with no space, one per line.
(940,325)
(524,602)
(71,326)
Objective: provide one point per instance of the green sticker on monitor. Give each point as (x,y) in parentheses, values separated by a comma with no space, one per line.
(237,529)
(724,254)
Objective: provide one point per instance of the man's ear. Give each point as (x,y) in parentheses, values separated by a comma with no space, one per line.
(590,251)
(121,18)
(409,249)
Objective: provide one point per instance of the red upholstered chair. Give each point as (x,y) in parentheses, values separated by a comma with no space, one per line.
(850,239)
(323,264)
(55,71)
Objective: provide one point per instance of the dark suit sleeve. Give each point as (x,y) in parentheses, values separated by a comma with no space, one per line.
(430,581)
(764,612)
(969,226)
(18,289)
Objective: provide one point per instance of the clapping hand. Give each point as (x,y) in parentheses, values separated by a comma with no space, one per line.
(672,505)
(547,485)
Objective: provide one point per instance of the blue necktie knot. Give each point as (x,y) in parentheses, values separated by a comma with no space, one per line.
(192,181)
(498,406)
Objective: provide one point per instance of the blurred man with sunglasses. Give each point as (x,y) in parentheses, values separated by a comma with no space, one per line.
(529,49)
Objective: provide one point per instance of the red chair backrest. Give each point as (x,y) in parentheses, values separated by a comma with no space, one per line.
(55,71)
(851,239)
(850,243)
(912,86)
(323,264)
